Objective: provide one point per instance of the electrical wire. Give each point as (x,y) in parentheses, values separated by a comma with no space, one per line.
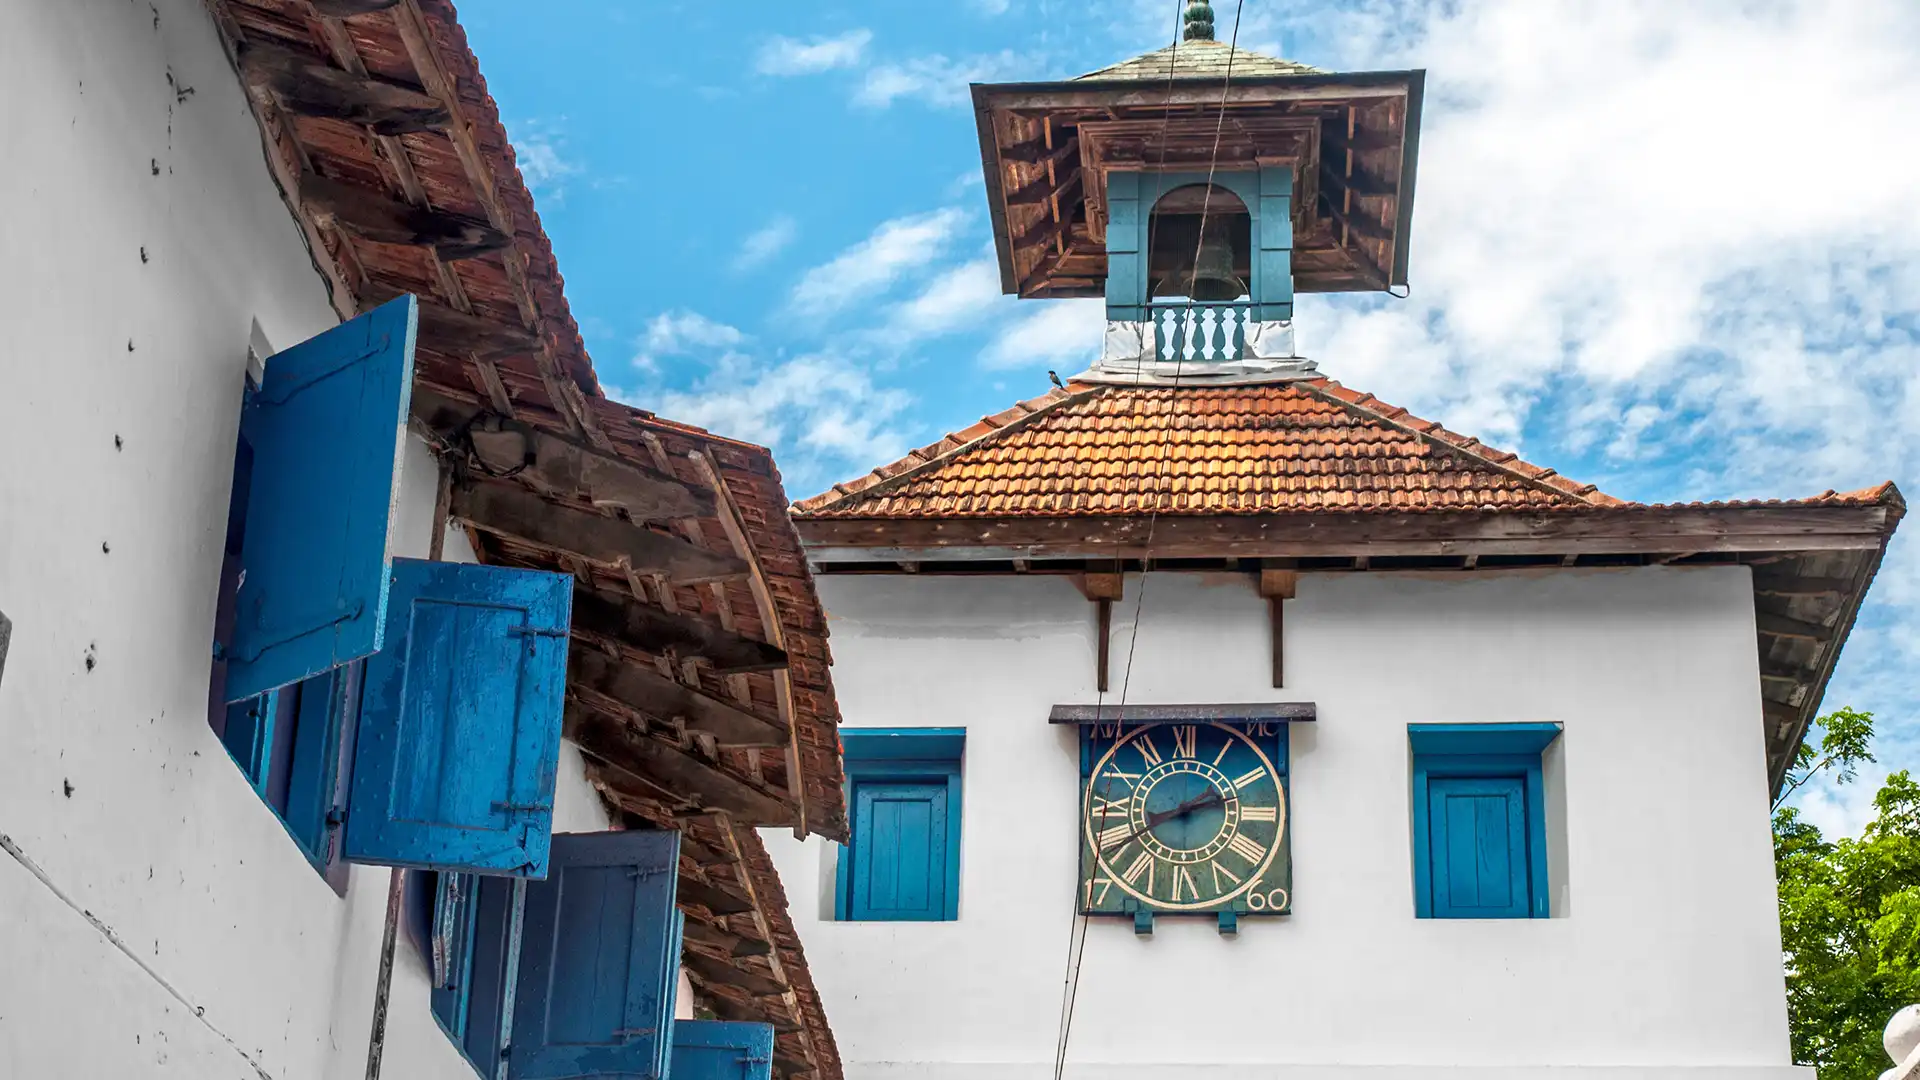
(1077,936)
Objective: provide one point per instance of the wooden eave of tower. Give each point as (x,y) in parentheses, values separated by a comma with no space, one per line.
(1351,141)
(698,687)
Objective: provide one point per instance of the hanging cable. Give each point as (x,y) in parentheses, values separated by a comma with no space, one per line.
(1077,936)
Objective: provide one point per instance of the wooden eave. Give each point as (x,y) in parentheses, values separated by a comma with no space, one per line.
(1812,562)
(1354,173)
(700,685)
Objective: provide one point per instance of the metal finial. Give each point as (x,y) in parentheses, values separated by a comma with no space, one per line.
(1199,21)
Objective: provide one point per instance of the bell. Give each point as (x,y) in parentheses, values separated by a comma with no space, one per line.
(1212,278)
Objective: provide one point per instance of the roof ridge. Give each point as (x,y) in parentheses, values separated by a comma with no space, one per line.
(1371,408)
(880,480)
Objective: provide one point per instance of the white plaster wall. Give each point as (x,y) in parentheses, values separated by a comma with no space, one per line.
(111,783)
(1666,961)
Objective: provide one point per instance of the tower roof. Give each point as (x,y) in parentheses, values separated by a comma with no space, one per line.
(1198,59)
(1309,445)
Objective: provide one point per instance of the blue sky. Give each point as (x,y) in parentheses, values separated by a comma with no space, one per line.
(1670,249)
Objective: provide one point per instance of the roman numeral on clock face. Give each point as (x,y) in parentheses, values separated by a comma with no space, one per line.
(1221,872)
(1251,777)
(1185,737)
(1142,867)
(1144,744)
(1104,808)
(1259,813)
(1115,836)
(1246,848)
(1183,876)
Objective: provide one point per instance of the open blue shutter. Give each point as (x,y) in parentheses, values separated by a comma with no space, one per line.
(599,960)
(722,1050)
(459,733)
(1273,272)
(900,850)
(326,429)
(1478,843)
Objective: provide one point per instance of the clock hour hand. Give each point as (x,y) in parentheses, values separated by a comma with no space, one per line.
(1160,817)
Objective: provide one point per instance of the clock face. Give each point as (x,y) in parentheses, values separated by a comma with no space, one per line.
(1185,818)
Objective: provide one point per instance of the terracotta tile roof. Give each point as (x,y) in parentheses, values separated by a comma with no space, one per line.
(1304,446)
(1199,60)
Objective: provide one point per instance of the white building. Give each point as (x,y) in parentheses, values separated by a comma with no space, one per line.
(200,194)
(1509,811)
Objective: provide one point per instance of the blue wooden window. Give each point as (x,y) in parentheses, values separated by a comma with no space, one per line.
(310,517)
(903,864)
(287,743)
(599,961)
(1479,820)
(459,734)
(722,1050)
(471,957)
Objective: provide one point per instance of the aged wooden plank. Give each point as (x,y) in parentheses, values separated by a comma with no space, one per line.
(712,897)
(515,512)
(1822,528)
(672,768)
(560,465)
(1043,191)
(1803,586)
(727,1008)
(720,971)
(1781,626)
(1775,671)
(650,692)
(1269,712)
(307,87)
(705,933)
(653,629)
(341,9)
(374,216)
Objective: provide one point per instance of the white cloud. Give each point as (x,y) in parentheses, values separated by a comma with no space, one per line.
(765,242)
(872,267)
(950,301)
(791,56)
(935,79)
(992,7)
(1052,334)
(682,333)
(822,413)
(540,151)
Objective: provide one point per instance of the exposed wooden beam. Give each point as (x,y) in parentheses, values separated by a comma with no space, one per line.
(727,1008)
(560,465)
(734,525)
(1037,152)
(341,9)
(373,216)
(672,768)
(1043,190)
(1360,142)
(307,87)
(1353,221)
(1775,671)
(705,933)
(1803,586)
(1278,587)
(714,970)
(651,629)
(515,512)
(714,898)
(647,691)
(1781,626)
(1041,231)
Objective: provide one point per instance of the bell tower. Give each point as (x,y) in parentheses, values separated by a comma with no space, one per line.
(1197,188)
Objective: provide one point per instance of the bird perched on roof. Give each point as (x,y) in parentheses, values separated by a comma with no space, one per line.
(1056,380)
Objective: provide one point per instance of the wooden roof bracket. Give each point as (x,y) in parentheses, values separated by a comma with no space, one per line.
(1103,589)
(1278,587)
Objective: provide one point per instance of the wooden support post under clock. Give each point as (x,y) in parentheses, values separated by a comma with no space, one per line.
(1278,586)
(1103,589)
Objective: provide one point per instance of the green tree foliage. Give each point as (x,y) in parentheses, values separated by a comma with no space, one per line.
(1849,909)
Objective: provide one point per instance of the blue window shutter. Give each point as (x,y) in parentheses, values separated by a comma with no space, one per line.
(722,1050)
(900,851)
(459,732)
(1126,270)
(1478,847)
(599,960)
(326,430)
